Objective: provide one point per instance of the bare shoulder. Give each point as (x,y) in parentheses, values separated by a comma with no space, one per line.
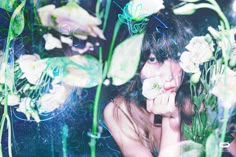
(123,130)
(116,114)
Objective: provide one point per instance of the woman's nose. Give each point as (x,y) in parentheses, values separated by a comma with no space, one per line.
(166,71)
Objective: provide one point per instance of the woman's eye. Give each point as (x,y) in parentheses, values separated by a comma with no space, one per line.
(152,60)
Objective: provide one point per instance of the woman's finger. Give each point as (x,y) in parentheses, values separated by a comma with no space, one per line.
(149,103)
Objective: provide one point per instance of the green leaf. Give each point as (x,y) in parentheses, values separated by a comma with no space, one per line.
(212,147)
(125,60)
(197,100)
(82,71)
(17,22)
(7,5)
(191,148)
(187,131)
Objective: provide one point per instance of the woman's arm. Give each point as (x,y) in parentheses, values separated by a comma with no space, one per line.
(124,133)
(164,104)
(170,137)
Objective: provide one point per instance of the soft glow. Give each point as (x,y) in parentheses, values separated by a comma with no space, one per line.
(234,6)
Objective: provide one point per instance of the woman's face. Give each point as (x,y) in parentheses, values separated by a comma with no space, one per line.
(169,71)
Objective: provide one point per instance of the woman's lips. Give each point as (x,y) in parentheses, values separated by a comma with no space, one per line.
(171,89)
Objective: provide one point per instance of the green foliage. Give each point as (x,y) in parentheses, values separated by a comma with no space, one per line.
(122,68)
(83,71)
(7,5)
(17,22)
(191,148)
(212,145)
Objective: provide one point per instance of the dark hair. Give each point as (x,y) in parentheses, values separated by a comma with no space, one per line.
(166,36)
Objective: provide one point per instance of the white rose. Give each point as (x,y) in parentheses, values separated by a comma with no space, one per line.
(225,87)
(139,9)
(51,42)
(201,49)
(187,63)
(32,67)
(52,100)
(152,87)
(45,14)
(71,19)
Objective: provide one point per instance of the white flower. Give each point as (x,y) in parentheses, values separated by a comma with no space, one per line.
(187,63)
(51,42)
(139,9)
(225,87)
(32,67)
(51,101)
(45,14)
(26,106)
(152,87)
(66,40)
(201,49)
(195,77)
(71,19)
(12,100)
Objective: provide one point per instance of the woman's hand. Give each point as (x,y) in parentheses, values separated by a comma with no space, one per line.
(163,104)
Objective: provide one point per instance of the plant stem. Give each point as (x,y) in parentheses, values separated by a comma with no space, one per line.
(116,30)
(223,131)
(108,6)
(217,9)
(5,112)
(98,4)
(95,112)
(64,140)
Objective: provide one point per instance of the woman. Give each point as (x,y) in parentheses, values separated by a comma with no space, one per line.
(130,116)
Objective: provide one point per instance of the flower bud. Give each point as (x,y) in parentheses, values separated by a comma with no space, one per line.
(195,77)
(186,9)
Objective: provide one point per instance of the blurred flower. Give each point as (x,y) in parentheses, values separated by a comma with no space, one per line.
(51,42)
(52,100)
(45,15)
(66,40)
(32,67)
(27,106)
(225,87)
(71,19)
(201,49)
(187,63)
(186,9)
(195,77)
(139,9)
(152,87)
(13,100)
